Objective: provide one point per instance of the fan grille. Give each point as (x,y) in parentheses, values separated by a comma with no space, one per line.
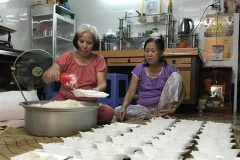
(29,67)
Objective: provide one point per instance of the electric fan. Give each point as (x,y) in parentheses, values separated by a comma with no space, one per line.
(29,67)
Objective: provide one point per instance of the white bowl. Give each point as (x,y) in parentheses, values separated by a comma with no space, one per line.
(155,124)
(145,138)
(180,133)
(169,145)
(211,129)
(155,154)
(59,149)
(175,139)
(130,125)
(95,137)
(186,125)
(162,121)
(118,126)
(89,93)
(185,129)
(112,148)
(78,142)
(216,135)
(200,156)
(138,155)
(228,153)
(123,141)
(208,144)
(141,131)
(216,140)
(96,155)
(227,125)
(138,158)
(105,147)
(216,129)
(110,132)
(191,121)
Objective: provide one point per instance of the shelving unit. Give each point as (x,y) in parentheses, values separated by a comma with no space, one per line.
(53,28)
(135,30)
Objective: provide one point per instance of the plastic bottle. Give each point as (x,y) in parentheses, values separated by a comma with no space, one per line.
(142,47)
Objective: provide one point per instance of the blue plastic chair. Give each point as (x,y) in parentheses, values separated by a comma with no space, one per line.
(51,90)
(114,98)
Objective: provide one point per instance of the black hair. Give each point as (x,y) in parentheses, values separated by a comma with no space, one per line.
(83,29)
(160,49)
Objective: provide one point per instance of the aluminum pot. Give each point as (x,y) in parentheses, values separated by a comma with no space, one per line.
(59,122)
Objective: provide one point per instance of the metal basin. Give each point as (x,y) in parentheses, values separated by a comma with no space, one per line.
(59,122)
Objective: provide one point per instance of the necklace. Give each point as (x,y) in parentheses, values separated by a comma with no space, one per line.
(154,80)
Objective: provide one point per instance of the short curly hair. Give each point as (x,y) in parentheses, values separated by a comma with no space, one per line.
(83,29)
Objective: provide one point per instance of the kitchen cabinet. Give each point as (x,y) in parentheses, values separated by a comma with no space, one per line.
(53,28)
(187,60)
(189,63)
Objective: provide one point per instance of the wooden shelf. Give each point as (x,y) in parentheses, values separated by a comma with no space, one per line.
(5,30)
(227,109)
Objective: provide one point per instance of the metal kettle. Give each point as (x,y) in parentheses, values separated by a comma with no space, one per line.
(186,26)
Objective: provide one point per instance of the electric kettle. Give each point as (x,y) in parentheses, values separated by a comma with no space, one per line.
(186,26)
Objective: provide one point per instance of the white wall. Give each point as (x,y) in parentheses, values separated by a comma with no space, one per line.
(16,15)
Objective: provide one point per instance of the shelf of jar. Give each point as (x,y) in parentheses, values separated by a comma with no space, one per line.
(156,18)
(63,19)
(48,40)
(127,39)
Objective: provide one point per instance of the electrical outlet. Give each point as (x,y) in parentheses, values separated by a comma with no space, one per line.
(217,4)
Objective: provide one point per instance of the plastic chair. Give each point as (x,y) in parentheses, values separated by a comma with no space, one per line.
(114,98)
(51,90)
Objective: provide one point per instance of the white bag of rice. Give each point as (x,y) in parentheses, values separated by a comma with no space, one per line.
(9,104)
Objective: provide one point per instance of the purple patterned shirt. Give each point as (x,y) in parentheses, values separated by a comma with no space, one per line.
(150,88)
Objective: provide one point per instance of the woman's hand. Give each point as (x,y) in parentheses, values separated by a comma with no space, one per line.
(121,114)
(54,75)
(96,89)
(167,112)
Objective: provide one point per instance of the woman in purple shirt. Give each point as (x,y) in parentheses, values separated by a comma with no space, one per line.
(160,87)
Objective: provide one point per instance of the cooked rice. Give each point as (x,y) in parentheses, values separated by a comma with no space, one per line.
(33,156)
(60,104)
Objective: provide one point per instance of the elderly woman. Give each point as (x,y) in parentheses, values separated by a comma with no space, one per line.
(90,68)
(160,87)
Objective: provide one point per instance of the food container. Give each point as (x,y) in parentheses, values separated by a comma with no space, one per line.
(59,122)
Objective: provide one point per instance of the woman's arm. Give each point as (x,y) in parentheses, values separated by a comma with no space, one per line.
(131,92)
(52,74)
(101,81)
(128,97)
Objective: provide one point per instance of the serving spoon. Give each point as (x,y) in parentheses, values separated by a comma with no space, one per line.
(69,79)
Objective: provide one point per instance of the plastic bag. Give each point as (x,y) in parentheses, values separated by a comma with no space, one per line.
(9,104)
